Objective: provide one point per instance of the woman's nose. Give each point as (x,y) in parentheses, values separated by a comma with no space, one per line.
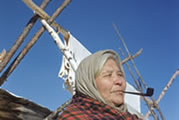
(117,80)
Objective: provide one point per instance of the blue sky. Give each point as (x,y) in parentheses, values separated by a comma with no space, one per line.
(152,25)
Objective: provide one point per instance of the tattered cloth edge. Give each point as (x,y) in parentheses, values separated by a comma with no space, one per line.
(78,53)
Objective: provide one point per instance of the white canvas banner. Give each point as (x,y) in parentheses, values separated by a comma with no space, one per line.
(78,53)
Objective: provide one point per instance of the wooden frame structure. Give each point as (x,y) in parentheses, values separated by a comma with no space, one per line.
(41,112)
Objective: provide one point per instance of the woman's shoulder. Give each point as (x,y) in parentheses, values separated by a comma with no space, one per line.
(72,112)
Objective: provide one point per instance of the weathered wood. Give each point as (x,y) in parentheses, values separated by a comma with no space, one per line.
(140,78)
(132,57)
(17,108)
(54,115)
(125,46)
(21,37)
(36,9)
(137,83)
(29,45)
(60,44)
(163,92)
(45,16)
(2,55)
(138,86)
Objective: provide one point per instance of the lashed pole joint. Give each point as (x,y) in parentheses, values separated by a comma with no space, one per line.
(142,81)
(163,92)
(31,43)
(60,44)
(132,57)
(21,37)
(45,16)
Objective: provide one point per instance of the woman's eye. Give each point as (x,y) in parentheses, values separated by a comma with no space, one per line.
(120,74)
(107,75)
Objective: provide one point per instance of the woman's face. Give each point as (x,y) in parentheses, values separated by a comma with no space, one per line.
(110,82)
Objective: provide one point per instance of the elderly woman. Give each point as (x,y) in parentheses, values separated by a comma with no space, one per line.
(99,84)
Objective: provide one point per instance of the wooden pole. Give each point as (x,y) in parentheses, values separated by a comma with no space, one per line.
(54,115)
(139,87)
(31,43)
(21,37)
(45,16)
(130,71)
(132,57)
(163,92)
(2,55)
(129,55)
(145,86)
(60,45)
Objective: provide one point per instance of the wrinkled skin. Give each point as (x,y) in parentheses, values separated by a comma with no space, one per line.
(110,82)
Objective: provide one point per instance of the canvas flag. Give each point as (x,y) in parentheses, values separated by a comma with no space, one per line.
(78,53)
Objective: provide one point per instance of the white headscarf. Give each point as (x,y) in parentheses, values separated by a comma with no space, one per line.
(86,73)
